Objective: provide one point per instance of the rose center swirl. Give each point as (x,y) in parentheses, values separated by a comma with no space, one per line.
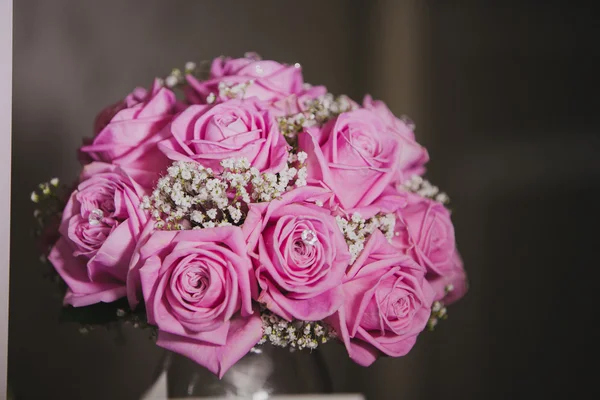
(401,307)
(194,283)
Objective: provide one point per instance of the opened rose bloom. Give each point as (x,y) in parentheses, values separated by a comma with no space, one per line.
(299,255)
(127,132)
(451,284)
(402,128)
(198,286)
(425,232)
(357,147)
(100,225)
(266,80)
(388,303)
(239,128)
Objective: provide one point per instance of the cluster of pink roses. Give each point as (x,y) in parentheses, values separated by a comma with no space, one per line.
(203,288)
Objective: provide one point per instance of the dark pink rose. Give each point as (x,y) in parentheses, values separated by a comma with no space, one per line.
(400,127)
(388,303)
(299,255)
(198,287)
(100,225)
(234,129)
(356,147)
(127,132)
(272,81)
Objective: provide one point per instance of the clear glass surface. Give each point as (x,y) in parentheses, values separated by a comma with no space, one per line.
(260,374)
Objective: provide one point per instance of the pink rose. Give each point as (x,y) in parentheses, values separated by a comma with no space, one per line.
(272,81)
(356,147)
(299,255)
(198,287)
(139,95)
(388,303)
(234,129)
(419,156)
(99,229)
(127,132)
(452,284)
(295,103)
(426,232)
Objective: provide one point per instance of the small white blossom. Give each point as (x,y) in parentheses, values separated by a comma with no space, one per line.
(228,163)
(296,335)
(190,66)
(212,213)
(302,156)
(173,171)
(424,188)
(186,174)
(171,81)
(197,216)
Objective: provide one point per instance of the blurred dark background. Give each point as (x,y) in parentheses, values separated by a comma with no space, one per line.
(504,95)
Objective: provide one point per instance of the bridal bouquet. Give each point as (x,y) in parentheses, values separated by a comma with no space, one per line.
(235,206)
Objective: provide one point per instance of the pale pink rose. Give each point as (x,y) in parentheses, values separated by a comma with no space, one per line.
(234,129)
(299,255)
(100,225)
(198,287)
(388,303)
(356,155)
(272,81)
(127,133)
(400,127)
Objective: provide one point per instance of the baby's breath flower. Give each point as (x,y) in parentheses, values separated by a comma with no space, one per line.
(190,66)
(233,91)
(206,199)
(302,156)
(424,188)
(438,312)
(295,335)
(316,112)
(357,230)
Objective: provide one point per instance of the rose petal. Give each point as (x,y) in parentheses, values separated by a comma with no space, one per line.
(243,334)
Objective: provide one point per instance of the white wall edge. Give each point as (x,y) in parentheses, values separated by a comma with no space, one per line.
(6,15)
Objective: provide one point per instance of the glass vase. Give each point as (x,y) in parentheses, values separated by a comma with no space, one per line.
(264,372)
